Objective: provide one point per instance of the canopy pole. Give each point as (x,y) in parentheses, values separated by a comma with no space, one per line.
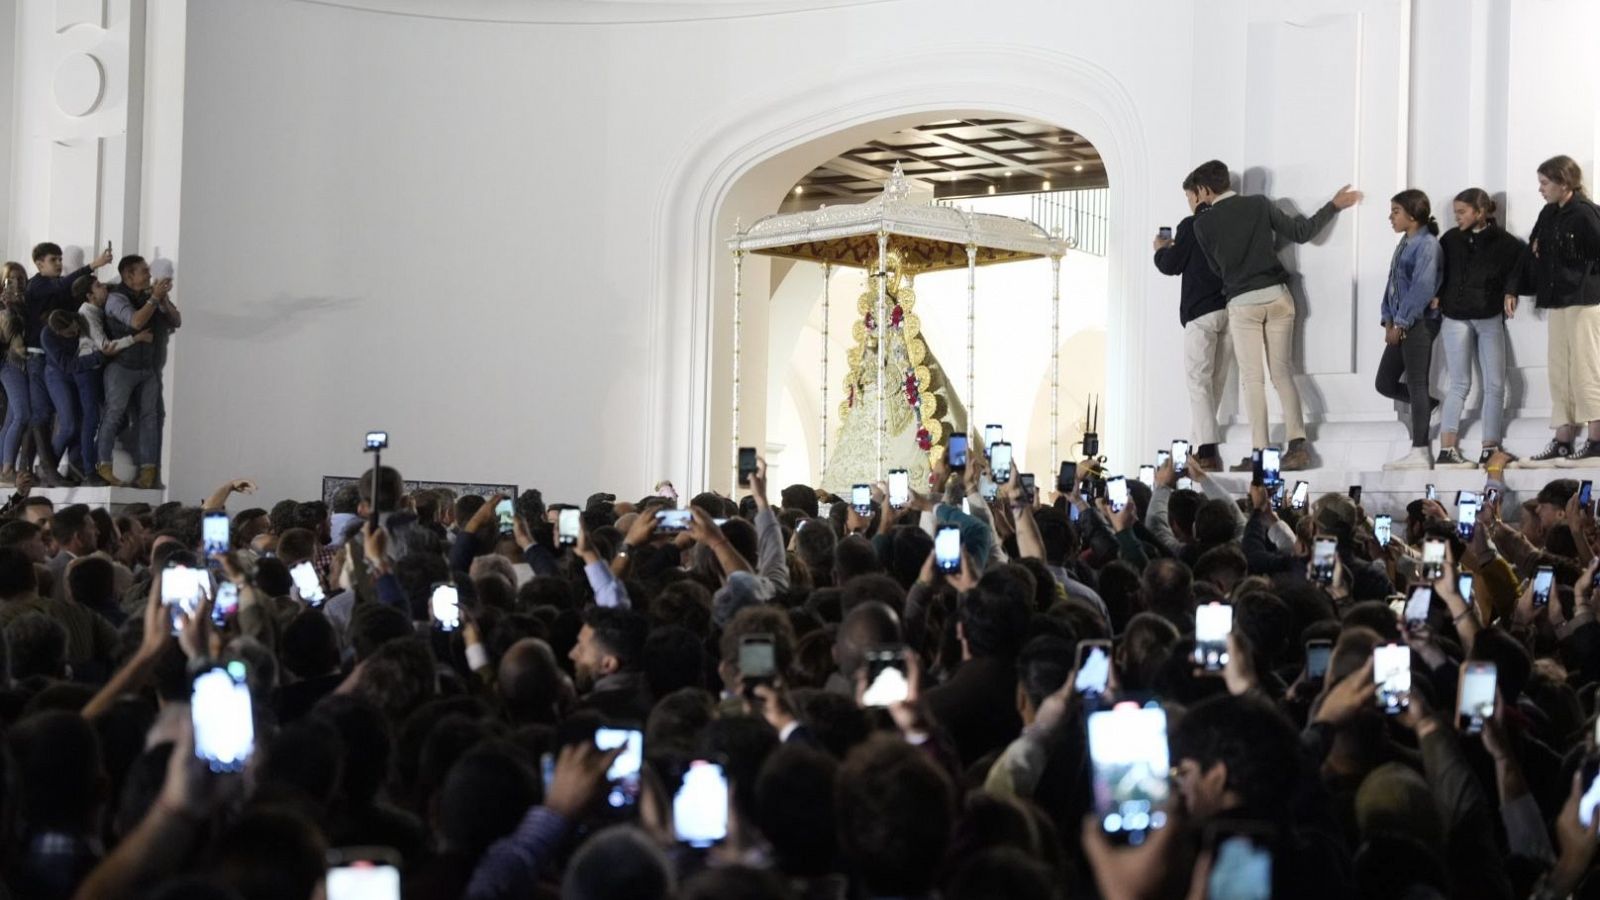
(972,343)
(822,454)
(1055,361)
(738,324)
(883,298)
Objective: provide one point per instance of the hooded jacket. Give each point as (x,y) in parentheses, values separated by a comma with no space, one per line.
(1564,268)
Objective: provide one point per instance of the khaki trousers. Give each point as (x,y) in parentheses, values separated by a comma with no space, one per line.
(1267,329)
(1205,357)
(1574,355)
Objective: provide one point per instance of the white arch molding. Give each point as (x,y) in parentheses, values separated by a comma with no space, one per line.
(689,244)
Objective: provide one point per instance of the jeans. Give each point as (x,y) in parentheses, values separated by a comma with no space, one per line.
(1206,355)
(1489,337)
(65,436)
(1574,373)
(1411,357)
(139,388)
(14,377)
(38,391)
(91,396)
(1267,329)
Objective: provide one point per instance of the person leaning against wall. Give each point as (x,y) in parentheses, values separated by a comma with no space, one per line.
(1410,321)
(1203,314)
(1482,272)
(1564,276)
(1238,237)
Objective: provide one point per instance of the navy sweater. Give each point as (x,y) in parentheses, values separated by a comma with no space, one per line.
(1201,293)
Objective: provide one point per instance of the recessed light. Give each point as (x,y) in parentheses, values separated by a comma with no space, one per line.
(1047,185)
(1078,167)
(991,189)
(1008,173)
(799,189)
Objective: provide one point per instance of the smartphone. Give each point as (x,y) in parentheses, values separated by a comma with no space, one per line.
(1467,515)
(947,549)
(1025,480)
(1000,462)
(1212,622)
(1543,580)
(861,499)
(1117,493)
(1164,233)
(1279,490)
(992,434)
(956,453)
(507,517)
(215,533)
(377,440)
(1417,607)
(1464,586)
(899,488)
(987,489)
(1064,477)
(758,661)
(1324,555)
(1475,697)
(1433,559)
(1241,860)
(1391,669)
(227,605)
(1355,494)
(445,605)
(1094,668)
(700,808)
(1271,466)
(568,521)
(1591,791)
(182,591)
(1318,653)
(1491,496)
(624,772)
(1186,484)
(1383,529)
(1147,474)
(307,584)
(1585,494)
(1432,493)
(888,681)
(1180,456)
(1131,770)
(363,873)
(224,725)
(1163,457)
(673,520)
(747,465)
(1301,495)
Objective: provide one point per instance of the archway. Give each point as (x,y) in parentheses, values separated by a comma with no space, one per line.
(742,170)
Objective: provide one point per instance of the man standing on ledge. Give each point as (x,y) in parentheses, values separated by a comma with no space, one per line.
(1238,236)
(133,377)
(1203,313)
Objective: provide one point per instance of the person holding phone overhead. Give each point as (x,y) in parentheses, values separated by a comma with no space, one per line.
(47,291)
(1203,314)
(1409,321)
(1564,277)
(133,377)
(1239,238)
(1481,275)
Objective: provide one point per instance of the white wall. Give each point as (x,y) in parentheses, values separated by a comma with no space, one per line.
(502,240)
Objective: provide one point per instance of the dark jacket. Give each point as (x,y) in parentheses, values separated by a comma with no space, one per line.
(1565,270)
(1202,290)
(46,295)
(1480,269)
(1239,237)
(62,354)
(140,356)
(978,707)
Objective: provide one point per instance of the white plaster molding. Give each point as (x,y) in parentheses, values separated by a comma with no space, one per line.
(1009,79)
(79,84)
(589,12)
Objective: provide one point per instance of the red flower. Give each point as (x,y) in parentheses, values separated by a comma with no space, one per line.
(924,439)
(911,389)
(871,326)
(896,316)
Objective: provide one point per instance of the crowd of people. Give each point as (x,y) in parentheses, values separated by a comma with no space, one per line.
(82,369)
(556,726)
(1461,287)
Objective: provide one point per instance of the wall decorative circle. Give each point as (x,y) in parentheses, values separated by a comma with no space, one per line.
(80,83)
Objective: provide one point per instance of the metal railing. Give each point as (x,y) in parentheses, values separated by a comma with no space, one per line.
(1083,216)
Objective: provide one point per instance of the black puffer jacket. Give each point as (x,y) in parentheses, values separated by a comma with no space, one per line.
(1564,269)
(1480,269)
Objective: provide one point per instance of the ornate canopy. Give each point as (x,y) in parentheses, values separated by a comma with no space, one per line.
(927,237)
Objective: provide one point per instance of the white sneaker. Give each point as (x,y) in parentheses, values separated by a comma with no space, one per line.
(1417,458)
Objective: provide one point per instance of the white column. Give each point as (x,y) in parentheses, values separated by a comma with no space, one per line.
(738,296)
(1055,362)
(883,294)
(972,342)
(822,450)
